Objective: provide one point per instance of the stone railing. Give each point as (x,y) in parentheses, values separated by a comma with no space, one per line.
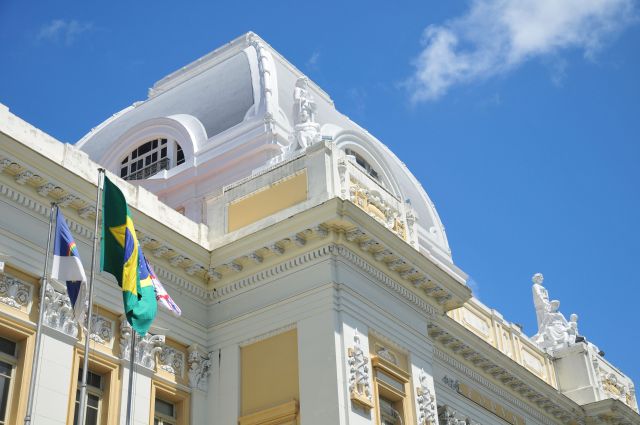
(507,337)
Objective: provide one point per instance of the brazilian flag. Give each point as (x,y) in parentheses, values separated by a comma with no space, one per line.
(122,256)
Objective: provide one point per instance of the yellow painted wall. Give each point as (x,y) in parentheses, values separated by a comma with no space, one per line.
(266,201)
(269,372)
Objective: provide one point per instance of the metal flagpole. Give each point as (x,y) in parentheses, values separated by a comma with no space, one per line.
(132,365)
(43,289)
(85,363)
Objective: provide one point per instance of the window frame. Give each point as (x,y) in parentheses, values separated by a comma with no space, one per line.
(174,156)
(161,417)
(91,390)
(109,403)
(13,327)
(171,394)
(12,361)
(365,166)
(401,399)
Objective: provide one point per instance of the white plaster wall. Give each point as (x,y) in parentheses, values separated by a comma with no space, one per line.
(198,407)
(321,398)
(224,395)
(141,395)
(54,379)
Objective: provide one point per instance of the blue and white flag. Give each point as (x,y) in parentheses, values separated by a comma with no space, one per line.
(67,267)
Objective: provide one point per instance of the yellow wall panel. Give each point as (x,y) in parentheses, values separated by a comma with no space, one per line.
(266,201)
(269,372)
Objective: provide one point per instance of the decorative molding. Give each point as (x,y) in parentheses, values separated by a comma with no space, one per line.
(379,276)
(359,380)
(15,293)
(267,335)
(160,252)
(146,348)
(5,163)
(531,394)
(425,400)
(396,263)
(253,280)
(43,210)
(102,330)
(199,368)
(24,176)
(448,416)
(58,312)
(171,360)
(195,290)
(45,189)
(177,260)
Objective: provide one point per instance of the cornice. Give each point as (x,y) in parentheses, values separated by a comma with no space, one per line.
(492,362)
(267,335)
(49,190)
(385,280)
(485,383)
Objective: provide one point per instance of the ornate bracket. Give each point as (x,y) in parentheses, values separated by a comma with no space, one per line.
(58,312)
(426,401)
(146,348)
(14,292)
(199,368)
(171,360)
(359,386)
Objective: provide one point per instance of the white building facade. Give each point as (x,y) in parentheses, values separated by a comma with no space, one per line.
(313,271)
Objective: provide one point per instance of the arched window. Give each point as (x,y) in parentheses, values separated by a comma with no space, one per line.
(150,158)
(363,164)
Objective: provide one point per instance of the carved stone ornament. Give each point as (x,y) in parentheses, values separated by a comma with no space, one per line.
(448,416)
(359,385)
(199,368)
(307,130)
(58,312)
(554,330)
(146,349)
(101,330)
(451,383)
(426,401)
(171,360)
(14,292)
(373,202)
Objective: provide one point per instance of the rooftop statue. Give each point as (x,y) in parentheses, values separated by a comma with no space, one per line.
(554,331)
(307,130)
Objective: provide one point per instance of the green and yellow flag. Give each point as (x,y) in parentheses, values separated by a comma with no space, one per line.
(122,256)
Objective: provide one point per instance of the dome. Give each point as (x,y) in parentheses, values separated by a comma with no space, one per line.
(237,110)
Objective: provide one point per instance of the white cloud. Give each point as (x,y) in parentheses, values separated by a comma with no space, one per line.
(64,32)
(496,36)
(313,60)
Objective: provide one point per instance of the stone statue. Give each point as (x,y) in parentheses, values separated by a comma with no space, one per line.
(554,331)
(540,297)
(307,131)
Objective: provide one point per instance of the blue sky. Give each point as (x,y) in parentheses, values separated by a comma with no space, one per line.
(521,119)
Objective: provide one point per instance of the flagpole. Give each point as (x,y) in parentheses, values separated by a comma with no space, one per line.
(85,361)
(43,289)
(132,364)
